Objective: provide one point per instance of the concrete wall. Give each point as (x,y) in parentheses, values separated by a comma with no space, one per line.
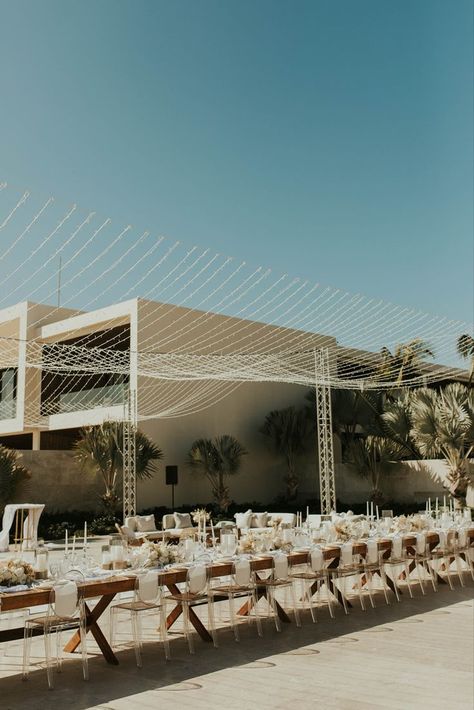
(407,482)
(58,481)
(241,414)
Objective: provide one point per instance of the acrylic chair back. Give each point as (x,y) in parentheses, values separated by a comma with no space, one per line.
(462,538)
(421,543)
(397,545)
(64,599)
(372,556)
(316,559)
(197,579)
(280,567)
(242,573)
(147,586)
(346,558)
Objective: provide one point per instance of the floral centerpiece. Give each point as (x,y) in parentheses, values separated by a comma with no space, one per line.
(200,515)
(15,571)
(159,554)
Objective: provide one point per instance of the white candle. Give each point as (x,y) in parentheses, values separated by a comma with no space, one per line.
(367,514)
(377,509)
(436,507)
(85,535)
(66,544)
(307,513)
(74,544)
(204,530)
(372,509)
(444,501)
(213,534)
(426,508)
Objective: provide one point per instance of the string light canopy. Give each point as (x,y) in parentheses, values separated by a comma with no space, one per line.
(202,324)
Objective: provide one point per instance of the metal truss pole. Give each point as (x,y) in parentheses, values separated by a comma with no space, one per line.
(325,441)
(129,455)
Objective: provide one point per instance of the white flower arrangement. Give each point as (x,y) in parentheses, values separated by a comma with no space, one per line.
(159,554)
(200,515)
(15,571)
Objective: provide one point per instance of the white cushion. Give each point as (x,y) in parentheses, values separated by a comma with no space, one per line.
(243,520)
(182,520)
(168,521)
(131,523)
(145,523)
(259,520)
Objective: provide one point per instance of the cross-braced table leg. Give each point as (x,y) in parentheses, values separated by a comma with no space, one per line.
(93,627)
(193,617)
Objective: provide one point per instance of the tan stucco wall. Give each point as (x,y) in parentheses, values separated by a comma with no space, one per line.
(241,414)
(58,481)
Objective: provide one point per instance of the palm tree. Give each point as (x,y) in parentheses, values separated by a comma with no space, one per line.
(217,459)
(100,450)
(372,457)
(289,431)
(465,347)
(12,474)
(403,364)
(442,424)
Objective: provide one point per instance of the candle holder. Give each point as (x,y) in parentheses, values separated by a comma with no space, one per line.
(41,564)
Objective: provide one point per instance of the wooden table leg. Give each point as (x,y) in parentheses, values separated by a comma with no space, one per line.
(332,587)
(193,617)
(93,627)
(246,608)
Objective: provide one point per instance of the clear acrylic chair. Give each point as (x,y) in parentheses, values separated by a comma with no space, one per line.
(373,563)
(397,563)
(147,601)
(349,566)
(464,551)
(195,592)
(65,612)
(443,554)
(279,578)
(314,574)
(420,558)
(241,584)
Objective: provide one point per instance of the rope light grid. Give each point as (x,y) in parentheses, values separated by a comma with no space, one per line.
(210,315)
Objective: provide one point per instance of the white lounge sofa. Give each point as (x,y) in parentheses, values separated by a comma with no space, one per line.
(140,527)
(261,522)
(177,524)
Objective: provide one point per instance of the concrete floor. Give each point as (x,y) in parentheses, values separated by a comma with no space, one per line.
(416,654)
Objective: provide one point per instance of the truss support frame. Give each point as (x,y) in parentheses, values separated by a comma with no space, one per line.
(327,481)
(129,455)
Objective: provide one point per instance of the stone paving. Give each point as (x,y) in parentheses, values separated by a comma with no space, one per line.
(416,654)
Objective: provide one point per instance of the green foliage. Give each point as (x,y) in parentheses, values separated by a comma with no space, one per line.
(465,347)
(99,450)
(103,524)
(216,459)
(403,364)
(439,424)
(289,432)
(12,474)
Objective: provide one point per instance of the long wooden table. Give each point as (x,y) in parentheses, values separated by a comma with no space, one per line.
(107,589)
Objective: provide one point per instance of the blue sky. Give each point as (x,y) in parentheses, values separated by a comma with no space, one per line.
(330,140)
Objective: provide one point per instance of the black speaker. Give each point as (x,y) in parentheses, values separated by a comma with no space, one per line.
(171,475)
